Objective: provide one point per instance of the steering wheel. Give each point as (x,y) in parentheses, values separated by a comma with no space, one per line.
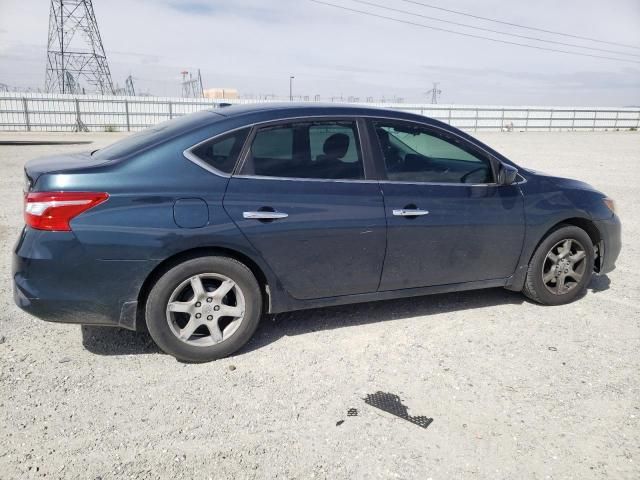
(466,176)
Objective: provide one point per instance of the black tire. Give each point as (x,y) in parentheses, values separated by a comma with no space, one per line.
(535,287)
(158,318)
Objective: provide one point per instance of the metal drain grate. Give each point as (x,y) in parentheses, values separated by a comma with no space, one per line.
(392,404)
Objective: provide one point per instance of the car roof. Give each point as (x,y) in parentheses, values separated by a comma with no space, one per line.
(253,113)
(274,111)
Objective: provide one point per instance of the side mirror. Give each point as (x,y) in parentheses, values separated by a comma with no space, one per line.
(507,174)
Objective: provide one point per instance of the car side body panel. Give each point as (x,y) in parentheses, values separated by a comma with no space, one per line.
(546,206)
(471,233)
(331,243)
(98,272)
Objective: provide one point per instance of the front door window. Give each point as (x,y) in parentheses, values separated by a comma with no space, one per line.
(417,154)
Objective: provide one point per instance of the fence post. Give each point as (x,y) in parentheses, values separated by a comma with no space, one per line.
(475,127)
(573,121)
(502,121)
(449,115)
(126,109)
(615,123)
(26,114)
(526,121)
(593,129)
(79,127)
(170,110)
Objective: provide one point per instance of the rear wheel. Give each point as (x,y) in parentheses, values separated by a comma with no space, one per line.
(204,309)
(561,267)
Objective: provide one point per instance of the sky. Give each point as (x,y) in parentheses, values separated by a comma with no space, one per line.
(254,46)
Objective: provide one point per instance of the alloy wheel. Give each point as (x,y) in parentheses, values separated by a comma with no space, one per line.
(205,309)
(564,266)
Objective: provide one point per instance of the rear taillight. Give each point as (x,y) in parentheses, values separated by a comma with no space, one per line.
(54,210)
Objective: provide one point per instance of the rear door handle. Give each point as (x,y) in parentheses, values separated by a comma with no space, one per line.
(406,212)
(264,215)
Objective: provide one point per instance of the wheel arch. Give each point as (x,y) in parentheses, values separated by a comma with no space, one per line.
(198,252)
(592,230)
(586,224)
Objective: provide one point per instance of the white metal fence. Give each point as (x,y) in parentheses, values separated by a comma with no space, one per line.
(57,112)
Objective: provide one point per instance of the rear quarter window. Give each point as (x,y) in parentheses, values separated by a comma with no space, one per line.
(221,153)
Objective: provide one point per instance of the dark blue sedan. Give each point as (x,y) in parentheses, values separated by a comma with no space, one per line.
(196,227)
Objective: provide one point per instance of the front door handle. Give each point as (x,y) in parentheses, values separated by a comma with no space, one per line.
(410,212)
(264,215)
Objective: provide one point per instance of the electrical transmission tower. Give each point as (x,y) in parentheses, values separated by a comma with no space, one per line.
(192,86)
(128,90)
(75,54)
(434,92)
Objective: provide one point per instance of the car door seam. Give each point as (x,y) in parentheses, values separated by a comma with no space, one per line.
(386,236)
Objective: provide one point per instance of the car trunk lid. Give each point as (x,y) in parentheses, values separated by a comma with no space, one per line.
(33,169)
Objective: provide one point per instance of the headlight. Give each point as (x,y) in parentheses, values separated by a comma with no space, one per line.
(610,203)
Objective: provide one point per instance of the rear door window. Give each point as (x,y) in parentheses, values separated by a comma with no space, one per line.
(318,135)
(313,150)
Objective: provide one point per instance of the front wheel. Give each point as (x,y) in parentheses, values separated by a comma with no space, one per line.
(204,309)
(561,267)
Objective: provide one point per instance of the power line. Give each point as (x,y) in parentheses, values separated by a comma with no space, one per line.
(364,2)
(408,22)
(457,12)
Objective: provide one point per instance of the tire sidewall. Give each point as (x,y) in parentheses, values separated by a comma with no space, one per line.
(537,264)
(155,309)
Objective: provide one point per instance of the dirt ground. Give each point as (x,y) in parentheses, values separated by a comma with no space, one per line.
(515,390)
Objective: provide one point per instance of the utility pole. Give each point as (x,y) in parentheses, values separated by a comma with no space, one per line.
(63,74)
(75,53)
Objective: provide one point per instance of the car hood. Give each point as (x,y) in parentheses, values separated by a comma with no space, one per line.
(566,182)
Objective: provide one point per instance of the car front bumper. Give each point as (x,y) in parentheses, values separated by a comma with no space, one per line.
(610,243)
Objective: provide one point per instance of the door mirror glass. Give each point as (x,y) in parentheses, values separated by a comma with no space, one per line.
(507,174)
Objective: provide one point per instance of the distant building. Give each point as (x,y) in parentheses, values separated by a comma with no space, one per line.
(217,93)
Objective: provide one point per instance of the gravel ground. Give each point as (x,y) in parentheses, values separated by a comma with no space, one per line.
(515,390)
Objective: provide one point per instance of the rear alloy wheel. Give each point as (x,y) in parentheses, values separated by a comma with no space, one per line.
(204,309)
(561,268)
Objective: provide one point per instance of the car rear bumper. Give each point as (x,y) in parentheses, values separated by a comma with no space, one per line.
(610,244)
(55,280)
